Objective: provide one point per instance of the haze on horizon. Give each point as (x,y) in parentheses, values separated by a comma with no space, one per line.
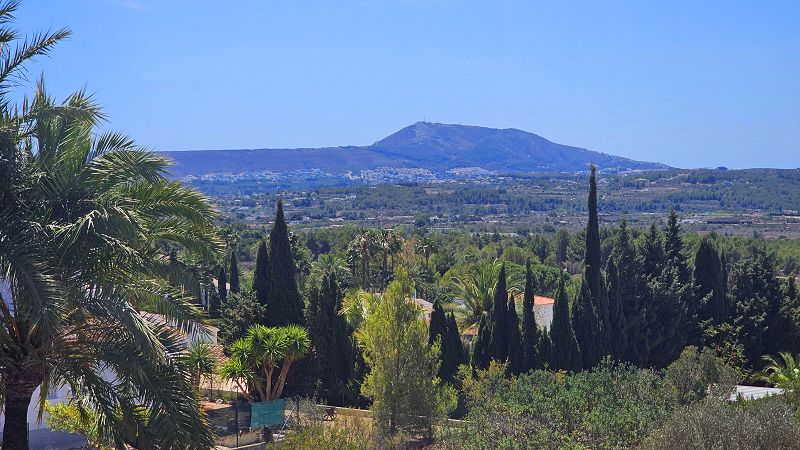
(682,83)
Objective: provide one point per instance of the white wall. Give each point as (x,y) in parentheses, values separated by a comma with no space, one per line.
(544,315)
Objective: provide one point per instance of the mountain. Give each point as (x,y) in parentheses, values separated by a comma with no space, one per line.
(432,146)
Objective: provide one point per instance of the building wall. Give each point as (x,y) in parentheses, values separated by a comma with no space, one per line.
(544,315)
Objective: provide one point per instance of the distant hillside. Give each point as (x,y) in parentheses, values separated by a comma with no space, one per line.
(432,146)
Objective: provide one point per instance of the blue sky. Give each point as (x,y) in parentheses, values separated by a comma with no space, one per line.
(686,83)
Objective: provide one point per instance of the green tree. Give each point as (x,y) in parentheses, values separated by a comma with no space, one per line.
(234,274)
(222,292)
(530,332)
(284,304)
(544,348)
(201,362)
(437,324)
(71,418)
(240,313)
(516,356)
(590,313)
(480,352)
(402,382)
(453,354)
(333,350)
(84,221)
(711,285)
(260,274)
(499,337)
(476,287)
(619,326)
(255,358)
(565,353)
(627,289)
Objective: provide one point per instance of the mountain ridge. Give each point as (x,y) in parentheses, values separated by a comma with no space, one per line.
(422,145)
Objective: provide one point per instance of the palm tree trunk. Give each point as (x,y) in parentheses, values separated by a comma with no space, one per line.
(278,390)
(19,388)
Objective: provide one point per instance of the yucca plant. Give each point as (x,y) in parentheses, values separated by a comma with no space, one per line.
(255,358)
(85,221)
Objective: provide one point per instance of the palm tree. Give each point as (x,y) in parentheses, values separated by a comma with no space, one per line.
(202,362)
(476,287)
(85,221)
(255,358)
(426,246)
(782,371)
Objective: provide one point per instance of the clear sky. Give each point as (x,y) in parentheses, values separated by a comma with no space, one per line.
(687,83)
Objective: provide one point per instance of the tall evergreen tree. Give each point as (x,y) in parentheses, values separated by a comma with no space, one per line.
(590,315)
(260,275)
(710,284)
(673,249)
(619,331)
(438,323)
(516,356)
(756,292)
(628,291)
(222,293)
(565,353)
(480,351)
(284,304)
(530,333)
(651,255)
(234,273)
(500,330)
(452,350)
(544,349)
(330,334)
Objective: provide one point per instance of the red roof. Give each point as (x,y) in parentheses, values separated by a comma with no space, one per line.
(541,300)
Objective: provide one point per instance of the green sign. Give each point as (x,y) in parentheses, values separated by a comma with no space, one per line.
(267,414)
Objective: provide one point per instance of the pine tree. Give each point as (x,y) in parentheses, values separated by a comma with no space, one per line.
(544,349)
(260,274)
(530,333)
(500,330)
(516,356)
(234,274)
(480,350)
(565,353)
(284,304)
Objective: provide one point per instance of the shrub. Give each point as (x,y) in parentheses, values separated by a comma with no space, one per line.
(767,423)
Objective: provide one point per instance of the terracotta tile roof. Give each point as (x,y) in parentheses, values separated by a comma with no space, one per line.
(542,300)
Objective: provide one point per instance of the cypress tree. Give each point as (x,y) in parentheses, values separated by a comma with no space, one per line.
(530,333)
(500,330)
(334,354)
(628,292)
(651,257)
(619,332)
(452,350)
(234,274)
(544,349)
(260,274)
(673,249)
(516,356)
(590,316)
(710,284)
(284,304)
(436,327)
(565,353)
(480,351)
(222,291)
